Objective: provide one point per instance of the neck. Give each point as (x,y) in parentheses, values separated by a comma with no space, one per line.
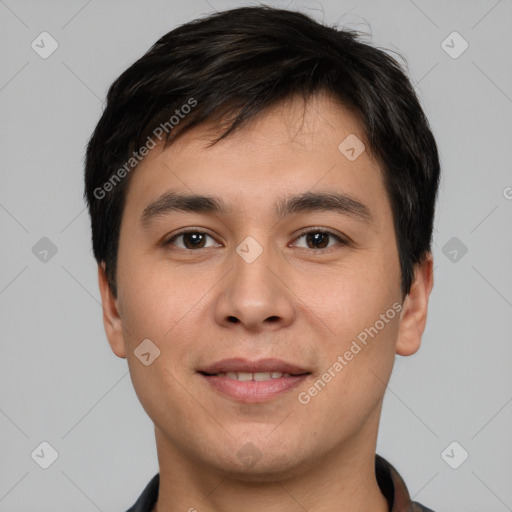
(342,480)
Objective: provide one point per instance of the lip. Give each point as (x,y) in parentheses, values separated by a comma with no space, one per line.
(239,364)
(253,391)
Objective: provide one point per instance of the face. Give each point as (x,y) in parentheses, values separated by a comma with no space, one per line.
(313,285)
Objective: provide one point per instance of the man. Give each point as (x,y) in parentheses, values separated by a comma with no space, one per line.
(262,192)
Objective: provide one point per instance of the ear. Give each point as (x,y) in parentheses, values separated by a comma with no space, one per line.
(414,313)
(111,319)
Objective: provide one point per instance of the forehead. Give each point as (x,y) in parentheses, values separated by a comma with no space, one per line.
(291,147)
(291,125)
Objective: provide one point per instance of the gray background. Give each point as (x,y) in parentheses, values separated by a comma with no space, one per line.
(60,382)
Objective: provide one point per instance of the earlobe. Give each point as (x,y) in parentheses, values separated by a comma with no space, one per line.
(111,318)
(415,306)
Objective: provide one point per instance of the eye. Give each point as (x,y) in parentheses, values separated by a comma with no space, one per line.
(190,240)
(315,239)
(319,239)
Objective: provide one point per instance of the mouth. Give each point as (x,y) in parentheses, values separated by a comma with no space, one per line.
(256,376)
(253,381)
(239,365)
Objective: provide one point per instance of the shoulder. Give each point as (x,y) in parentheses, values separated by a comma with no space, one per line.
(418,507)
(393,487)
(148,498)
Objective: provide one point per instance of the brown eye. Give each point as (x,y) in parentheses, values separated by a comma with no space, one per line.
(190,240)
(319,239)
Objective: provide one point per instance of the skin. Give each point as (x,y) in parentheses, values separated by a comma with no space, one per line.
(294,302)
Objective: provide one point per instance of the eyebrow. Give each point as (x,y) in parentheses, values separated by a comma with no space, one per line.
(301,203)
(173,201)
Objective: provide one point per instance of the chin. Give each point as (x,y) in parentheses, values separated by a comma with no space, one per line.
(252,462)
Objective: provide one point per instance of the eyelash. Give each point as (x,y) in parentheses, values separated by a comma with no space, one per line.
(322,231)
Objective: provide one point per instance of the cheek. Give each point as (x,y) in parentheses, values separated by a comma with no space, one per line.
(155,311)
(167,308)
(362,309)
(152,300)
(357,366)
(355,297)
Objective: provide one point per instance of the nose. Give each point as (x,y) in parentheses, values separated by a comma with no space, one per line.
(254,294)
